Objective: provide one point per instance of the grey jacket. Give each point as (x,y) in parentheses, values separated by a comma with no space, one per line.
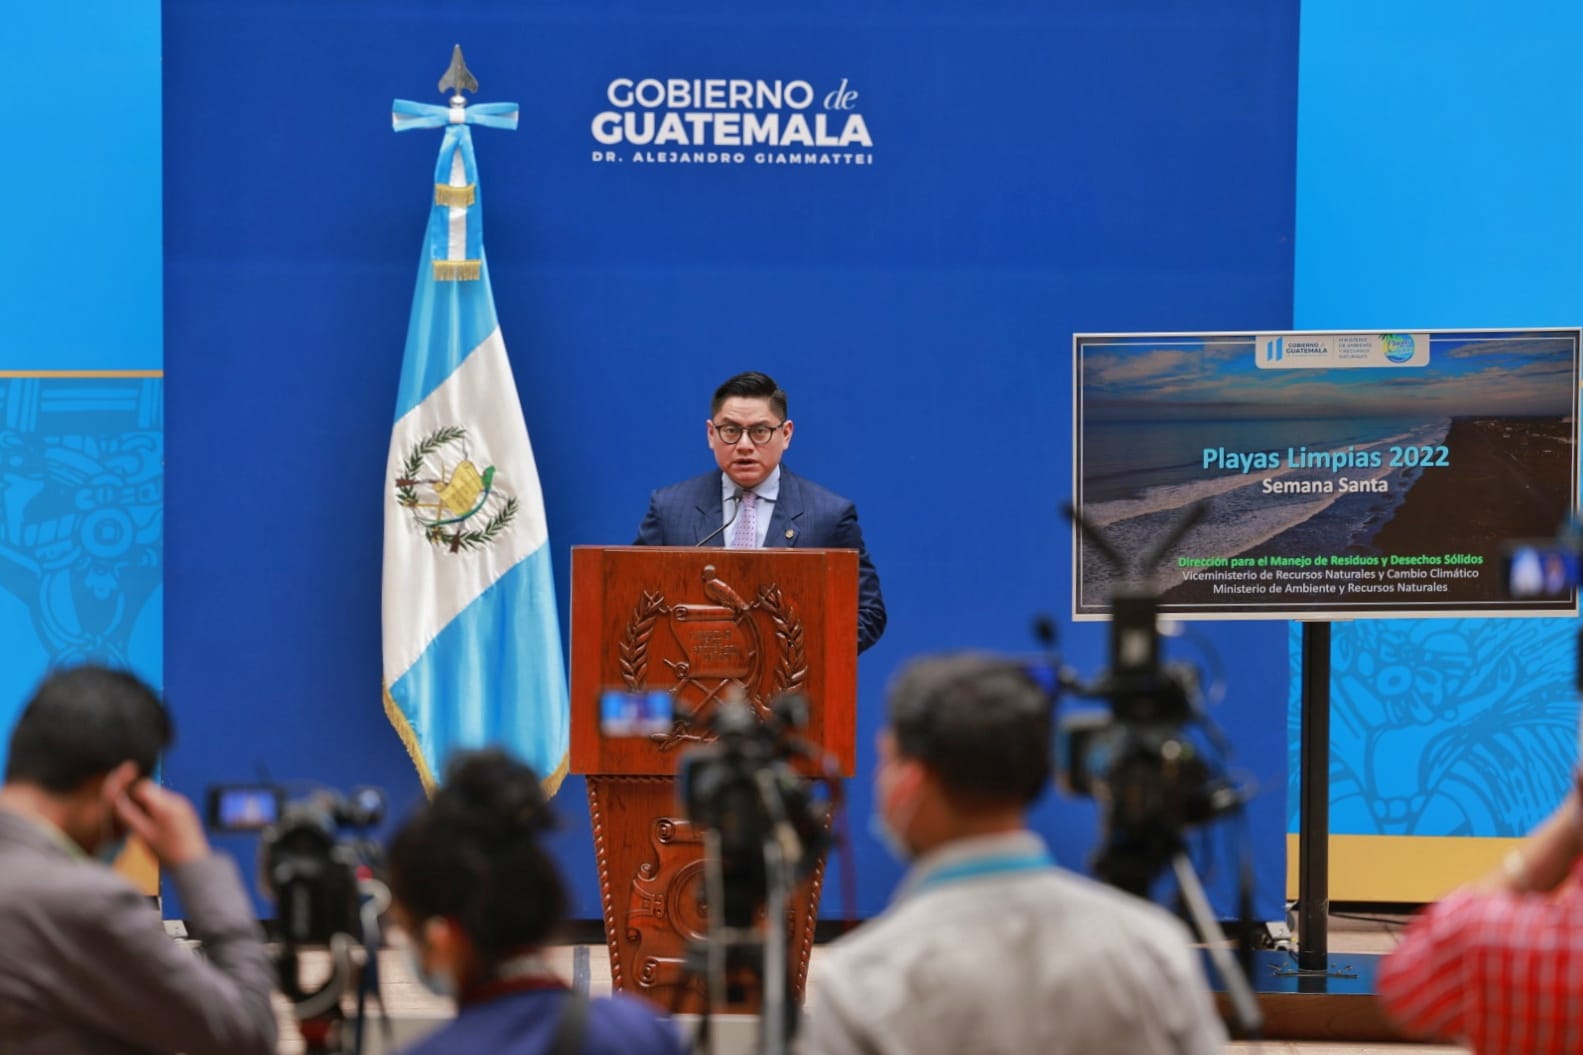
(988,950)
(86,966)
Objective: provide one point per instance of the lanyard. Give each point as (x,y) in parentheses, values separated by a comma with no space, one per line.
(520,974)
(985,866)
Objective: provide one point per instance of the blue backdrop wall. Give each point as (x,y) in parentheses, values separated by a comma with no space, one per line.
(1036,168)
(1441,727)
(81,394)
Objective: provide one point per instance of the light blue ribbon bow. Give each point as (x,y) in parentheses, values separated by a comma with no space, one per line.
(406,114)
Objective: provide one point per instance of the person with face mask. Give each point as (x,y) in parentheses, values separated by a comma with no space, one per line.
(987,946)
(475,899)
(88,966)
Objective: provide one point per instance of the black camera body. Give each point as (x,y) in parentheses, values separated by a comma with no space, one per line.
(1152,783)
(312,852)
(1137,757)
(743,787)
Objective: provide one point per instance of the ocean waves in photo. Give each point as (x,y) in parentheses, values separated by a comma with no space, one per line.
(1247,511)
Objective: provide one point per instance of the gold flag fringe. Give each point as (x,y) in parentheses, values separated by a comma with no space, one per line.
(409,740)
(550,783)
(458,270)
(455,197)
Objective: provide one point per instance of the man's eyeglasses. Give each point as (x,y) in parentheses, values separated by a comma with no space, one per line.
(759,434)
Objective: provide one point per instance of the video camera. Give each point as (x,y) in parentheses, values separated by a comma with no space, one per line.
(1139,758)
(1549,569)
(1141,761)
(311,852)
(320,864)
(744,787)
(1544,568)
(764,831)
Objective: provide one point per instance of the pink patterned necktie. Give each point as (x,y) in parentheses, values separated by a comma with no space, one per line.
(746,535)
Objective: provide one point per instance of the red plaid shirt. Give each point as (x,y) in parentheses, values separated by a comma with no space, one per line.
(1503,972)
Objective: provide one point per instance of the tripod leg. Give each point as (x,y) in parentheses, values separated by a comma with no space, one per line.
(701,1041)
(1244,1005)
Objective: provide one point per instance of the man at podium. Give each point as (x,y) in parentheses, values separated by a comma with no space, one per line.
(753,501)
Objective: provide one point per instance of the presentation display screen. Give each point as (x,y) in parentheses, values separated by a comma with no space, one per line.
(1334,474)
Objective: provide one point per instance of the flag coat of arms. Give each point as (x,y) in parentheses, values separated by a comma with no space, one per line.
(472,644)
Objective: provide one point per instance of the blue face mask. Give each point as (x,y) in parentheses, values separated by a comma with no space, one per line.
(112,844)
(109,849)
(440,983)
(894,844)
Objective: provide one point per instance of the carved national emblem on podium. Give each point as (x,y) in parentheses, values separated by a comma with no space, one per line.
(700,651)
(702,626)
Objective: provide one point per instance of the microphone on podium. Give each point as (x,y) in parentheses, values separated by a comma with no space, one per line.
(737,498)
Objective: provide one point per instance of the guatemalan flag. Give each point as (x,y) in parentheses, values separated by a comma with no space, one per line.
(472,644)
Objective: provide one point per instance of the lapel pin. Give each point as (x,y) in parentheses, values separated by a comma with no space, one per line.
(790,533)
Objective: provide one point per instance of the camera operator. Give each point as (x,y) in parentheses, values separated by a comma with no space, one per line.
(477,898)
(987,946)
(87,965)
(1498,963)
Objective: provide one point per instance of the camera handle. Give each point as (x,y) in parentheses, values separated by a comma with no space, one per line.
(707,957)
(772,951)
(777,870)
(1249,1018)
(318,1013)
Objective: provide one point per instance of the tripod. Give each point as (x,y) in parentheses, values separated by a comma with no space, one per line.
(1250,1020)
(737,954)
(319,1013)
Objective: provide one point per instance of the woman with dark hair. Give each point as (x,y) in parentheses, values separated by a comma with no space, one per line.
(479,898)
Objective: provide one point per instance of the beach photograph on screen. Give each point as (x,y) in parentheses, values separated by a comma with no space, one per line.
(1383,490)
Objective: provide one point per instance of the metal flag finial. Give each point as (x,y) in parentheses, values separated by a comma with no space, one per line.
(458,78)
(456,245)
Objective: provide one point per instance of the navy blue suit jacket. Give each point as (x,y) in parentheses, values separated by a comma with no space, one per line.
(805,515)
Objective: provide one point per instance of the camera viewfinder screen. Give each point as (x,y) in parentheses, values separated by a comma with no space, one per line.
(244,808)
(635,713)
(1541,568)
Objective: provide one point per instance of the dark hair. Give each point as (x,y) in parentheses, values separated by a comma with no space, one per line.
(472,854)
(83,722)
(750,385)
(981,724)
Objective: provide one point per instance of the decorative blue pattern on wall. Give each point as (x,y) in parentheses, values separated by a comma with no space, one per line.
(1445,726)
(1454,727)
(82,481)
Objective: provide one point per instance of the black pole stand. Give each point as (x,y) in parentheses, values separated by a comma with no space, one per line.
(1313,836)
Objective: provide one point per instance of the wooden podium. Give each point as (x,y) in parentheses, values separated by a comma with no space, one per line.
(697,623)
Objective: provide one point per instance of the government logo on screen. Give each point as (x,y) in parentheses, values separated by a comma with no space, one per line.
(718,121)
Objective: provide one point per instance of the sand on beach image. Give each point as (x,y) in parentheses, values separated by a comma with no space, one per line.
(1509,478)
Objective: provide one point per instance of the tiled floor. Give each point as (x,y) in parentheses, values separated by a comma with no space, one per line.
(408,1001)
